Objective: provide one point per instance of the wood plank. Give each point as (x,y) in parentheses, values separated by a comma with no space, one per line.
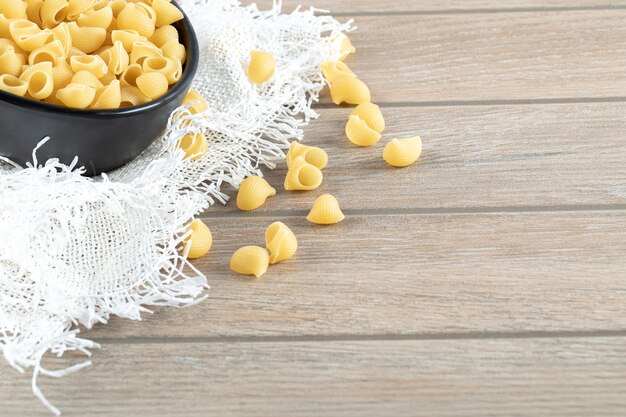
(396,274)
(474,156)
(421,6)
(532,377)
(492,56)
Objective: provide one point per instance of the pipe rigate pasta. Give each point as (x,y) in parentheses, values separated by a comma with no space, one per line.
(27,35)
(166,12)
(198,103)
(127,37)
(13,9)
(195,146)
(262,66)
(164,34)
(96,18)
(250,260)
(61,73)
(280,242)
(39,79)
(335,69)
(86,78)
(199,241)
(139,17)
(253,191)
(325,210)
(62,34)
(78,96)
(5,33)
(108,96)
(371,114)
(116,58)
(130,75)
(153,84)
(174,50)
(303,176)
(33,8)
(53,12)
(165,66)
(92,63)
(13,85)
(360,133)
(346,48)
(11,62)
(86,39)
(142,50)
(132,96)
(403,152)
(346,89)
(49,52)
(312,154)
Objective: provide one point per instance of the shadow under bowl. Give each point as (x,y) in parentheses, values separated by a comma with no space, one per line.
(101,139)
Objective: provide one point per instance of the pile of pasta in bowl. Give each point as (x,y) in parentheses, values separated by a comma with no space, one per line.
(97,54)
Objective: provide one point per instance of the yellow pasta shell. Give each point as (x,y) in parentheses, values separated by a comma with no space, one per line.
(13,85)
(153,84)
(250,260)
(312,154)
(49,52)
(135,16)
(164,34)
(77,96)
(142,50)
(118,6)
(166,12)
(199,242)
(61,73)
(159,64)
(101,18)
(127,37)
(253,191)
(335,69)
(5,33)
(262,66)
(371,114)
(360,133)
(303,176)
(325,210)
(174,50)
(53,12)
(76,7)
(199,103)
(403,152)
(86,78)
(87,39)
(32,12)
(281,242)
(130,75)
(92,63)
(195,146)
(346,89)
(11,62)
(13,9)
(27,35)
(62,34)
(116,58)
(39,79)
(132,96)
(109,96)
(107,78)
(346,48)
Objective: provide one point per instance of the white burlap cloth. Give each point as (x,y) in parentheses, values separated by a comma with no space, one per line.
(75,250)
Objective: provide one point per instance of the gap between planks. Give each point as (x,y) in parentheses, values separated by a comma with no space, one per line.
(366,338)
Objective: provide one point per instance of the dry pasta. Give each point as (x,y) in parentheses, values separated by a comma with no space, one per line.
(253,191)
(199,241)
(99,54)
(360,133)
(312,154)
(303,176)
(250,260)
(262,66)
(325,210)
(371,114)
(403,152)
(281,242)
(347,89)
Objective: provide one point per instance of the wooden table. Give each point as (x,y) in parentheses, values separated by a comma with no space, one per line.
(488,279)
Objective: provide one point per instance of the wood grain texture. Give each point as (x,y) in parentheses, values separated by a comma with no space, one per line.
(492,56)
(474,156)
(411,274)
(528,377)
(356,7)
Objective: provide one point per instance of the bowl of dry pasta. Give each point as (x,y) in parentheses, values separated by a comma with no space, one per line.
(98,77)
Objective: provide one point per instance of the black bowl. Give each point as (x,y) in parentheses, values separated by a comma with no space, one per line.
(102,139)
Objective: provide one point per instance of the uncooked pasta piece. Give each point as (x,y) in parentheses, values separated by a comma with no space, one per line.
(62,34)
(312,154)
(91,63)
(13,9)
(86,39)
(108,96)
(76,7)
(360,133)
(13,85)
(174,50)
(127,37)
(403,152)
(250,260)
(139,17)
(198,103)
(5,33)
(253,191)
(142,50)
(33,9)
(153,84)
(166,12)
(281,242)
(262,66)
(86,78)
(335,69)
(132,96)
(165,66)
(195,146)
(200,240)
(164,34)
(371,114)
(325,210)
(116,58)
(61,73)
(101,18)
(53,12)
(78,96)
(349,90)
(39,79)
(346,48)
(303,176)
(49,52)
(130,75)
(27,35)
(11,62)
